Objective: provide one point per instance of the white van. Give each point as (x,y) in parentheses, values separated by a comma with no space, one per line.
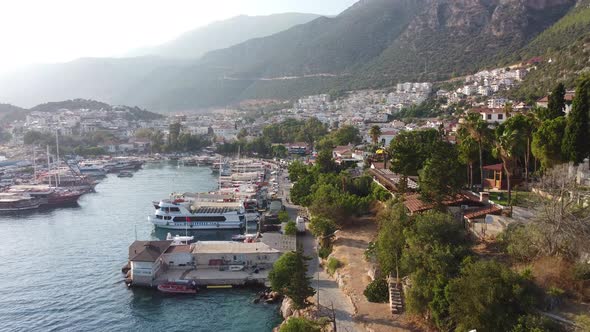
(236,267)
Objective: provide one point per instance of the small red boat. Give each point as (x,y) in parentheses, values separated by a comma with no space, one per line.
(175,288)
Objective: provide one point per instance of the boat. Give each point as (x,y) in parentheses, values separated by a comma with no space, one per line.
(178,240)
(181,215)
(92,169)
(13,202)
(176,288)
(48,195)
(125,174)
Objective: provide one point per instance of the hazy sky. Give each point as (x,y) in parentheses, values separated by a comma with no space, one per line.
(45,31)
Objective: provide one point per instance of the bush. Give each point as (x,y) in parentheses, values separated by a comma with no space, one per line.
(377,291)
(283,216)
(333,265)
(324,252)
(291,228)
(582,271)
(299,324)
(519,243)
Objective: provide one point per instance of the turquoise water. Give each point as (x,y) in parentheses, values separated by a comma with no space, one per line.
(60,270)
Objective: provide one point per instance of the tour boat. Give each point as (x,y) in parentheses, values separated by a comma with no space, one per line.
(12,202)
(181,215)
(172,287)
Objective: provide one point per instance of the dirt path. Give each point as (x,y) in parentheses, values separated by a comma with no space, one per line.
(349,248)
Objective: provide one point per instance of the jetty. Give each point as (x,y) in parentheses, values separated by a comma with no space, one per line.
(205,263)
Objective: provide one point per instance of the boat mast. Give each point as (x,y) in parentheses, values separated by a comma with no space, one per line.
(58,181)
(34,165)
(48,166)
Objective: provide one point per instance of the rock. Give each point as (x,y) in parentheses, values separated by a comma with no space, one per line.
(287,308)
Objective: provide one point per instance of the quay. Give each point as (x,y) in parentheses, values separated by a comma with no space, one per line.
(206,263)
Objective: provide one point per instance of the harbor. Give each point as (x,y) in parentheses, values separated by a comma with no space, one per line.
(242,203)
(75,254)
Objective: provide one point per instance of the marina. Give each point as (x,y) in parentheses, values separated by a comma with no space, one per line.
(74,258)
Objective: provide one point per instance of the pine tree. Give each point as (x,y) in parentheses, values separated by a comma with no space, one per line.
(576,142)
(556,103)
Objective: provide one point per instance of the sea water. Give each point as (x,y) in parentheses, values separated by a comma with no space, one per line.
(60,269)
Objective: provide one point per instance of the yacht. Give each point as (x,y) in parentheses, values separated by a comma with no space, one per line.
(47,195)
(181,215)
(92,169)
(11,202)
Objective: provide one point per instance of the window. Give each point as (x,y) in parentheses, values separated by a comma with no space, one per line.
(174,209)
(489,116)
(500,116)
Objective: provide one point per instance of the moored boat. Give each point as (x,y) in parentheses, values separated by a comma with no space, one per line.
(12,202)
(176,288)
(181,215)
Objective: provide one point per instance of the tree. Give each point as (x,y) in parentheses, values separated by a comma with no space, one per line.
(546,145)
(325,163)
(289,277)
(525,125)
(410,149)
(300,324)
(173,135)
(487,296)
(480,133)
(390,238)
(435,246)
(375,133)
(575,144)
(505,148)
(562,221)
(322,227)
(441,176)
(556,103)
(290,228)
(468,153)
(347,135)
(279,151)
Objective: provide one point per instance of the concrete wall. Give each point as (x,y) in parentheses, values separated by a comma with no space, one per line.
(143,273)
(203,260)
(178,260)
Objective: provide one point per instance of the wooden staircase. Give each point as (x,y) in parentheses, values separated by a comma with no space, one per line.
(396,301)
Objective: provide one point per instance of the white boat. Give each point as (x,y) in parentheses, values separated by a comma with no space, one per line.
(11,202)
(179,240)
(92,169)
(180,215)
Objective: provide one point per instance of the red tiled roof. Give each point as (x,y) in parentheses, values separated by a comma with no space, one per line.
(378,165)
(415,204)
(477,213)
(496,167)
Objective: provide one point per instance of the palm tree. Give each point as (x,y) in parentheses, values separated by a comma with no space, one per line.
(375,133)
(468,153)
(478,130)
(505,148)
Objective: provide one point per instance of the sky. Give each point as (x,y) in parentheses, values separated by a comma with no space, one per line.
(48,31)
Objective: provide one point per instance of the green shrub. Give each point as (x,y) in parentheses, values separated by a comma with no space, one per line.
(377,291)
(299,324)
(291,228)
(333,265)
(324,252)
(582,271)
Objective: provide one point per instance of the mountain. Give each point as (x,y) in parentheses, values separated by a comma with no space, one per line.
(9,113)
(89,78)
(374,43)
(224,34)
(564,51)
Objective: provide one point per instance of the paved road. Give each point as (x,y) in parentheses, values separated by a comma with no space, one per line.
(329,293)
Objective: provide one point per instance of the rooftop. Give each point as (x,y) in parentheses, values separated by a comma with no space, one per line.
(147,251)
(231,247)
